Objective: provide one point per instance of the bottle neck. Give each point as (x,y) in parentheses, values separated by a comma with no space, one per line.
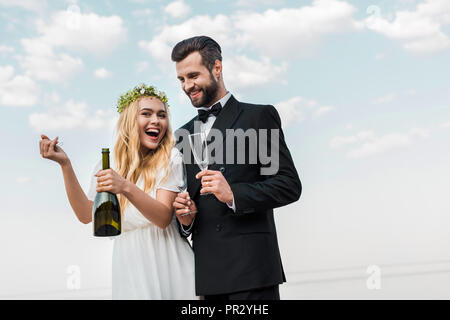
(105,160)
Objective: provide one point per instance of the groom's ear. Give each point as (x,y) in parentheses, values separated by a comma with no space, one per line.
(217,69)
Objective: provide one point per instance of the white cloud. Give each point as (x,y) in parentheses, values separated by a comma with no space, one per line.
(380,56)
(323,110)
(289,111)
(384,99)
(257,3)
(241,72)
(338,142)
(349,126)
(292,32)
(419,31)
(177,9)
(142,13)
(33,5)
(23,180)
(6,49)
(72,115)
(283,33)
(17,90)
(141,66)
(389,97)
(42,63)
(265,31)
(142,16)
(296,109)
(369,144)
(102,73)
(160,47)
(83,32)
(6,73)
(69,30)
(51,99)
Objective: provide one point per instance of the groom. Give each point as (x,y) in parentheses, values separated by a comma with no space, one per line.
(233,230)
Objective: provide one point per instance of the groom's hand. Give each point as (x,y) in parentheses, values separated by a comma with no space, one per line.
(213,181)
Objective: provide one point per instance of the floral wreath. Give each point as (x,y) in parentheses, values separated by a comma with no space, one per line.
(137,92)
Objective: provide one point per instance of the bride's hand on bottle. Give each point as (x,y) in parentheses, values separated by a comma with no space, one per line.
(110,181)
(50,150)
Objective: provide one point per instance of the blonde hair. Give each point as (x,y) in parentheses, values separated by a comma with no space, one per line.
(130,164)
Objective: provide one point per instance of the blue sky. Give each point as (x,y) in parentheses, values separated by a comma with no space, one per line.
(362,88)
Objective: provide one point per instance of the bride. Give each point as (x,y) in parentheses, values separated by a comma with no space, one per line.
(150,259)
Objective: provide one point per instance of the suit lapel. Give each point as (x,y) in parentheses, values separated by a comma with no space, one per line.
(226,118)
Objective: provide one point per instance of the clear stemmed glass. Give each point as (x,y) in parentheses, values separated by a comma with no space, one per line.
(182,187)
(199,147)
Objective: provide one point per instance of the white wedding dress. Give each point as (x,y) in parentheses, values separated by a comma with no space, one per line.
(149,262)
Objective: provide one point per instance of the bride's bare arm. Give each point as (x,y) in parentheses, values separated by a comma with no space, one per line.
(79,202)
(159,210)
(77,198)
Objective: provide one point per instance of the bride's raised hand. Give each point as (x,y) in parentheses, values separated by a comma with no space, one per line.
(50,150)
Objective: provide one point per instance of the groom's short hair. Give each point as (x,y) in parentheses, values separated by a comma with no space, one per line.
(206,46)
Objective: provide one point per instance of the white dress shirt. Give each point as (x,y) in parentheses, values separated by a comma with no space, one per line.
(206,127)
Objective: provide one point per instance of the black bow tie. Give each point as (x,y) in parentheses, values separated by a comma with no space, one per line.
(214,110)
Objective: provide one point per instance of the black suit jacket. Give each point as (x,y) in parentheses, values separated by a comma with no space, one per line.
(237,251)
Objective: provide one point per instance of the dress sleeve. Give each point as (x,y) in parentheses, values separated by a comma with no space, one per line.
(175,177)
(93,181)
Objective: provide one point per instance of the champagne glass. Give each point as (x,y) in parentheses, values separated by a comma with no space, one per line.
(199,147)
(182,186)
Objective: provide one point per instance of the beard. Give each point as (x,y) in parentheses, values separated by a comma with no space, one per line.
(209,93)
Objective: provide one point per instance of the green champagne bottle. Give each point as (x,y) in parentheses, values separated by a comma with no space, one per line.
(106,209)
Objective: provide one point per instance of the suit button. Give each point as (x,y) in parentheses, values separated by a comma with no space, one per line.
(219,227)
(222,169)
